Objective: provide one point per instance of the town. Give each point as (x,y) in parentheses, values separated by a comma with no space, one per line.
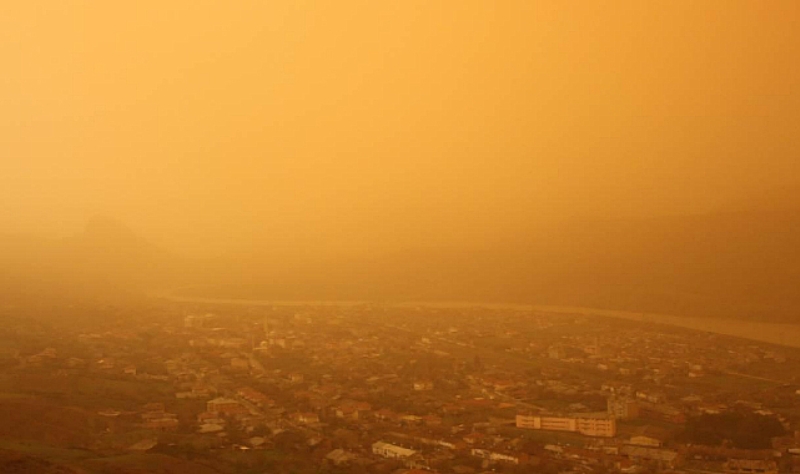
(381,388)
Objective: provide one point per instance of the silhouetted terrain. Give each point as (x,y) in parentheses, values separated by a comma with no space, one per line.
(742,265)
(106,259)
(728,264)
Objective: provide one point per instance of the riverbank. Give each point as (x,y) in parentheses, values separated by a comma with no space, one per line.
(773,333)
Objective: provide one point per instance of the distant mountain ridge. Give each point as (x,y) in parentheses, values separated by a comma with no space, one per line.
(738,264)
(742,264)
(106,257)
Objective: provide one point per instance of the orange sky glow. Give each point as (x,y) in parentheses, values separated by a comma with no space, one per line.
(361,126)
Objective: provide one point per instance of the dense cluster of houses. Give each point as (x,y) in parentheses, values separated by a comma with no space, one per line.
(445,390)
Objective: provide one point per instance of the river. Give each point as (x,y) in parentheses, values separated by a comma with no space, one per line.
(773,333)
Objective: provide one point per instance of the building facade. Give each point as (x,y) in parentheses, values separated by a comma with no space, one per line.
(391,451)
(588,426)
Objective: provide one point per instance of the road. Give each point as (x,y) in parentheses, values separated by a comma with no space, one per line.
(755,377)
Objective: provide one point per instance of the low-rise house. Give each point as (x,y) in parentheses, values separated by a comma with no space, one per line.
(495,456)
(226,406)
(159,420)
(254,396)
(622,407)
(201,390)
(411,419)
(295,377)
(143,445)
(307,418)
(642,440)
(664,457)
(351,410)
(208,417)
(347,412)
(391,451)
(751,466)
(257,442)
(340,457)
(385,414)
(206,428)
(432,420)
(156,407)
(474,438)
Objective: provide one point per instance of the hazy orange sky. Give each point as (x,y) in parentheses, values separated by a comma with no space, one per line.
(370,125)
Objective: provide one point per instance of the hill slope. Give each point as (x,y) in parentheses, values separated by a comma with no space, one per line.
(728,264)
(743,264)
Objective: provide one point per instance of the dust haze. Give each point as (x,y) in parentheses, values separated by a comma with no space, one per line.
(638,157)
(357,128)
(412,237)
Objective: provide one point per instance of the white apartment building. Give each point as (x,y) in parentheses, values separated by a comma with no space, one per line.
(589,426)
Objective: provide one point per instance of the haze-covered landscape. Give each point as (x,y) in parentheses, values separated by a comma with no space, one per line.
(400,238)
(734,264)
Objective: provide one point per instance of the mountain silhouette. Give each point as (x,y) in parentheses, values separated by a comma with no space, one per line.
(743,264)
(106,257)
(725,264)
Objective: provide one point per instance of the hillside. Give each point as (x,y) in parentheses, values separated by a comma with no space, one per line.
(106,258)
(741,264)
(736,264)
